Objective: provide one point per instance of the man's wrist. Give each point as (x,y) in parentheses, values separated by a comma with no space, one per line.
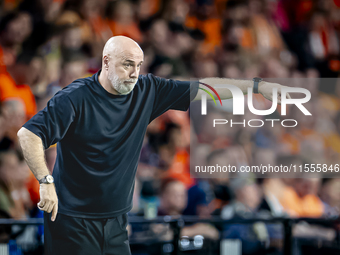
(261,83)
(47,185)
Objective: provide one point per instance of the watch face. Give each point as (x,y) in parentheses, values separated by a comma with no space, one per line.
(49,179)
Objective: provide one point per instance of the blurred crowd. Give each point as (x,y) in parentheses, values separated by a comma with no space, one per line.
(46,44)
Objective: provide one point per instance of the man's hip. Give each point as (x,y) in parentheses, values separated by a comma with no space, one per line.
(72,235)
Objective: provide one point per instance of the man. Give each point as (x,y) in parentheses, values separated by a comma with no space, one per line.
(99,124)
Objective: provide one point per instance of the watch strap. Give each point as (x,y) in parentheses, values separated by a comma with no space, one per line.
(44,180)
(256,85)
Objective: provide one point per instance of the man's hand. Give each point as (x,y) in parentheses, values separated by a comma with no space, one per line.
(48,200)
(266,89)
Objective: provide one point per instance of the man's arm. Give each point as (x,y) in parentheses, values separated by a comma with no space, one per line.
(33,151)
(265,88)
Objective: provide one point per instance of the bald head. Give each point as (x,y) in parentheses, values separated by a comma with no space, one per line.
(122,58)
(118,45)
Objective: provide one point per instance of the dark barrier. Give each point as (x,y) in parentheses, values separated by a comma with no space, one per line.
(298,236)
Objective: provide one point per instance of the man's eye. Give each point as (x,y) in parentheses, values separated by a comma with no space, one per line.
(127,65)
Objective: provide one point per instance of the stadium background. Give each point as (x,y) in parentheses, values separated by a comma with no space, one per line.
(46,44)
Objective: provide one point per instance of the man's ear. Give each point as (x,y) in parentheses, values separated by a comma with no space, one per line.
(106,63)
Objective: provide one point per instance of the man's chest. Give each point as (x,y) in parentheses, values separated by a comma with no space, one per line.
(100,122)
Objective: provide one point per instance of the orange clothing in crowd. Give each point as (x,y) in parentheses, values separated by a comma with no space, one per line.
(212,30)
(307,206)
(100,27)
(153,6)
(293,140)
(131,30)
(180,168)
(248,39)
(292,143)
(333,141)
(9,89)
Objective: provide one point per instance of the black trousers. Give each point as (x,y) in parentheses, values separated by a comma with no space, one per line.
(78,236)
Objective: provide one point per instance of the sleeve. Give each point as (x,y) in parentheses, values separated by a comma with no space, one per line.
(51,124)
(172,95)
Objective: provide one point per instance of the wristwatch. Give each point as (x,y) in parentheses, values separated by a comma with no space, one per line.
(256,80)
(48,179)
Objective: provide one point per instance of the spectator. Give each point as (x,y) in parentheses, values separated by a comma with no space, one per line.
(300,200)
(173,200)
(12,118)
(330,196)
(205,19)
(15,198)
(122,21)
(15,27)
(12,85)
(246,204)
(74,68)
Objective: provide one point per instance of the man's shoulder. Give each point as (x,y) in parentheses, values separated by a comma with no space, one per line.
(146,83)
(74,93)
(78,88)
(149,78)
(79,84)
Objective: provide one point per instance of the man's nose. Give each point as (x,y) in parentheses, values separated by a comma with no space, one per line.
(134,73)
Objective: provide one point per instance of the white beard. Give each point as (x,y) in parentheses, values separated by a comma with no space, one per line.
(120,86)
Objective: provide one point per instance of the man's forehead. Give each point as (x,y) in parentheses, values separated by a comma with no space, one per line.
(132,55)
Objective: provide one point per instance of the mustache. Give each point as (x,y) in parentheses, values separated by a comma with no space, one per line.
(131,80)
